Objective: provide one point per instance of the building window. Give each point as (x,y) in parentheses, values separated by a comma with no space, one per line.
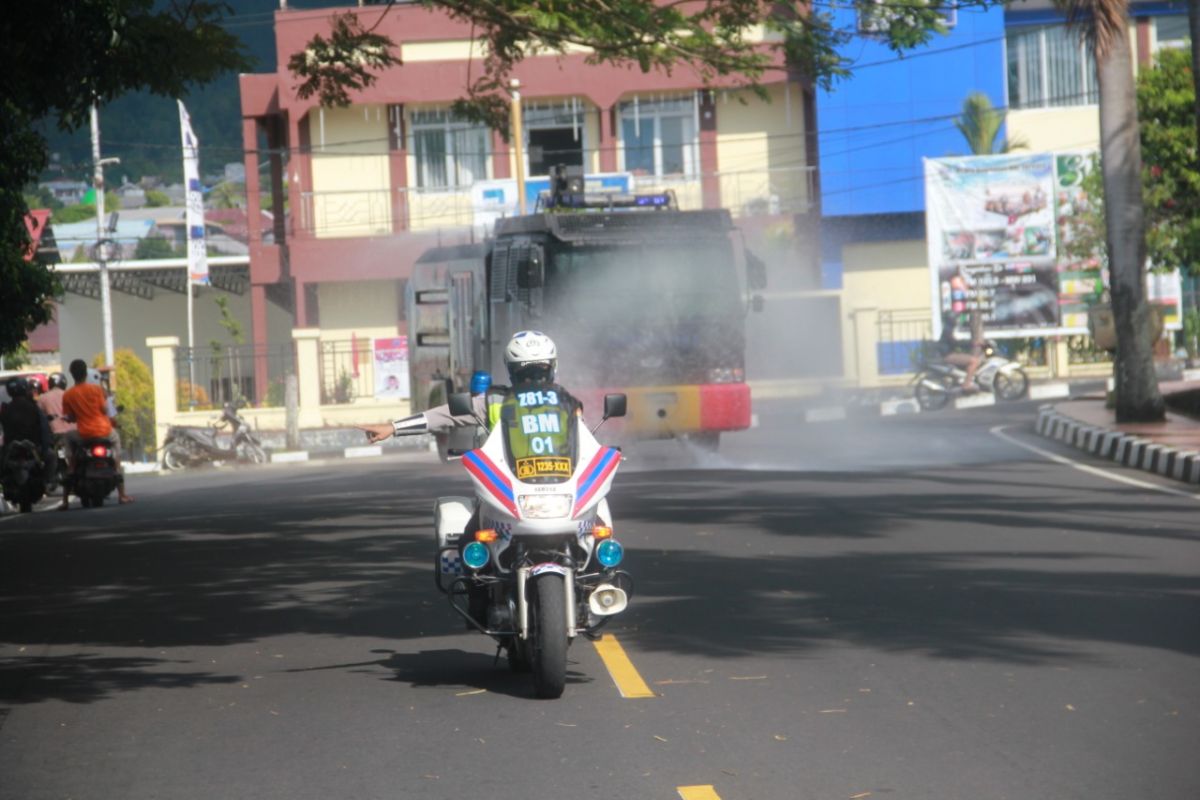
(1049,66)
(449,152)
(1171,32)
(658,137)
(554,135)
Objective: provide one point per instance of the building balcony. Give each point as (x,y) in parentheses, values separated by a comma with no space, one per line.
(383,212)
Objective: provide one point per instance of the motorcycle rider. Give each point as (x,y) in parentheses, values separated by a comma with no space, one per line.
(966,357)
(50,402)
(531,360)
(87,405)
(21,419)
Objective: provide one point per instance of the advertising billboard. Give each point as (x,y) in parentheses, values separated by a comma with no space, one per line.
(997,229)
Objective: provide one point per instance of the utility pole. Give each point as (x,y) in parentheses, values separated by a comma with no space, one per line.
(101,242)
(518,138)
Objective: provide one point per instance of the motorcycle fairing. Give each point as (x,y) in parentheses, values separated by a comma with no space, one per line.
(595,476)
(492,479)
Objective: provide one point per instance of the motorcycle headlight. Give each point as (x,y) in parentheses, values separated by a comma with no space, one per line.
(545,506)
(726,375)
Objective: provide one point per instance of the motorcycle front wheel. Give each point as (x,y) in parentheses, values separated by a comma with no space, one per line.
(252,453)
(1010,385)
(549,636)
(174,457)
(928,398)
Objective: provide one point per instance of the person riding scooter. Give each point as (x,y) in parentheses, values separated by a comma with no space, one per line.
(22,420)
(87,405)
(965,356)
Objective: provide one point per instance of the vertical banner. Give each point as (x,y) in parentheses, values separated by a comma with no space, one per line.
(197,251)
(391,368)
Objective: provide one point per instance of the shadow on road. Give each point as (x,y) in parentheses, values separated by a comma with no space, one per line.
(869,559)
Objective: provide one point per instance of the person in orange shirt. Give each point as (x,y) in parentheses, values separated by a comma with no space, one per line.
(87,405)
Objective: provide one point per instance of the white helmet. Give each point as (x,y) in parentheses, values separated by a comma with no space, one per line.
(94,376)
(530,356)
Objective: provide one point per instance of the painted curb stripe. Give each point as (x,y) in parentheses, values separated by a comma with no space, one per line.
(624,675)
(698,793)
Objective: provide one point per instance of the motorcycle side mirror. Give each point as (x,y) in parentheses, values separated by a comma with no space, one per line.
(614,405)
(460,404)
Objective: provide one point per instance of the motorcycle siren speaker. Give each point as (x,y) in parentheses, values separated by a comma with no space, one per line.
(607,600)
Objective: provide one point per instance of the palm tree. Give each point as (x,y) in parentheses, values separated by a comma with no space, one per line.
(980,125)
(1104,23)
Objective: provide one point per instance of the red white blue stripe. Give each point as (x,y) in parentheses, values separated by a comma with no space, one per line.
(603,465)
(492,479)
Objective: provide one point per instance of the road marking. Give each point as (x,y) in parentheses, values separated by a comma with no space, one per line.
(698,793)
(621,668)
(1100,473)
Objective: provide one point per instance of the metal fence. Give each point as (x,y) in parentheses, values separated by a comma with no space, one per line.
(347,371)
(902,336)
(208,377)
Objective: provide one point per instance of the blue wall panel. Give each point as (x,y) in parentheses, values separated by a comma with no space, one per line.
(876,126)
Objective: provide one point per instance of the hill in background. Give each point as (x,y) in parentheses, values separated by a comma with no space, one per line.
(143,130)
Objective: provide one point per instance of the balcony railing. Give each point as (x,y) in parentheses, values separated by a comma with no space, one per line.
(380,212)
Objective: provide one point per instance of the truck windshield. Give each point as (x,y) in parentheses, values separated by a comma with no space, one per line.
(669,282)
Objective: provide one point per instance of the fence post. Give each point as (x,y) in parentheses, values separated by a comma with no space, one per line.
(162,366)
(308,375)
(1059,358)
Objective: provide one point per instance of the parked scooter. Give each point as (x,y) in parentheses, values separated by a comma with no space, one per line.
(22,475)
(190,446)
(938,382)
(541,564)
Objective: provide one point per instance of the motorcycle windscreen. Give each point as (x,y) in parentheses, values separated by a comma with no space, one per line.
(539,436)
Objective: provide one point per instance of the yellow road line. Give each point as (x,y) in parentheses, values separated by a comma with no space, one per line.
(621,668)
(698,793)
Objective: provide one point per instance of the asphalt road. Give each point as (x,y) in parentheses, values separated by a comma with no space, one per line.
(910,607)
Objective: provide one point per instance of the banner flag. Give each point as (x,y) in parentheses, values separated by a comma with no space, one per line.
(197,249)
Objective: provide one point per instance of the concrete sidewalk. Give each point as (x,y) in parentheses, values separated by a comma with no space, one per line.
(1170,448)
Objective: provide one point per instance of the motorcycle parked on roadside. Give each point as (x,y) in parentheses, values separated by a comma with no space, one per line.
(190,446)
(938,382)
(23,475)
(531,560)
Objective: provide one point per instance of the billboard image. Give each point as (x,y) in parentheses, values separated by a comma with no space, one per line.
(997,230)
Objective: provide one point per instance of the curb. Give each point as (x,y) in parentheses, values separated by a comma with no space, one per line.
(1125,449)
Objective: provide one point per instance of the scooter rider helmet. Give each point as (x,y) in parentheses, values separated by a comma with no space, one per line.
(94,376)
(530,357)
(16,387)
(58,381)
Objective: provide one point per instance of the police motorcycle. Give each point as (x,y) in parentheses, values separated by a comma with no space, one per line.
(189,446)
(531,560)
